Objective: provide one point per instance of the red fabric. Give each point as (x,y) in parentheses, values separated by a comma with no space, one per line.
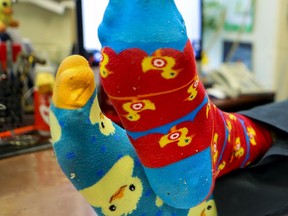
(259,140)
(125,68)
(198,139)
(127,83)
(154,98)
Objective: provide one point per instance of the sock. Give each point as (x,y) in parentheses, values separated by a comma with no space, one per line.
(96,154)
(149,73)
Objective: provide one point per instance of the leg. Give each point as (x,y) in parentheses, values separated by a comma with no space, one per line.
(96,155)
(149,73)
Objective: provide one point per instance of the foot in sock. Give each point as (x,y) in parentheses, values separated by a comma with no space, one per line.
(97,156)
(149,73)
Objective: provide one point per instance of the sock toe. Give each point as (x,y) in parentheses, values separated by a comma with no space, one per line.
(74,83)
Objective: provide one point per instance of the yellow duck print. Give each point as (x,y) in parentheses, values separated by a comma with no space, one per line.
(221,166)
(229,128)
(207,208)
(161,63)
(104,72)
(159,202)
(56,131)
(118,192)
(251,133)
(238,150)
(232,117)
(192,90)
(135,107)
(214,148)
(176,135)
(208,109)
(105,124)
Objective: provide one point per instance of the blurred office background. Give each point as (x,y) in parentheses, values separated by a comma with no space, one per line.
(52,29)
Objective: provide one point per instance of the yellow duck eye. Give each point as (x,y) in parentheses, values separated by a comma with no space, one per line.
(132,187)
(112,208)
(102,125)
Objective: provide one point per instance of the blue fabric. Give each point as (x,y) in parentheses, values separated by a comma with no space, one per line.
(164,129)
(84,151)
(185,175)
(150,25)
(117,30)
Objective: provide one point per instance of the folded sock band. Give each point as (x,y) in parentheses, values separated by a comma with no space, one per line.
(151,94)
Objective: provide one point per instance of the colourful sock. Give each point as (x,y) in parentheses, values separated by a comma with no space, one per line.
(96,155)
(149,73)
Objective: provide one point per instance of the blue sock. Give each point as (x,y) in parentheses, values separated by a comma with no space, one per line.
(96,155)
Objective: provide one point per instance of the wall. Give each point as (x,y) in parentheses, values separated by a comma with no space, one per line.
(269,39)
(49,32)
(281,80)
(55,34)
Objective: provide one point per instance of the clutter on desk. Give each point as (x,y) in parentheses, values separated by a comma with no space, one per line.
(42,96)
(26,80)
(11,84)
(26,84)
(16,82)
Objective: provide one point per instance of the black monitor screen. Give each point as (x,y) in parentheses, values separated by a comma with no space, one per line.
(90,14)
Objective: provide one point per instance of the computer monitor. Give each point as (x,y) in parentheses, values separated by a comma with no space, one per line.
(90,14)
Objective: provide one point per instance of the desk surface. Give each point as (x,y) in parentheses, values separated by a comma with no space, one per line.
(244,102)
(33,185)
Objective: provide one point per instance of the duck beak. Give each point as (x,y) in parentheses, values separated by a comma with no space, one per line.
(118,194)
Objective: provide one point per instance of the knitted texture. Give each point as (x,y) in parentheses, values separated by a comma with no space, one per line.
(96,155)
(148,71)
